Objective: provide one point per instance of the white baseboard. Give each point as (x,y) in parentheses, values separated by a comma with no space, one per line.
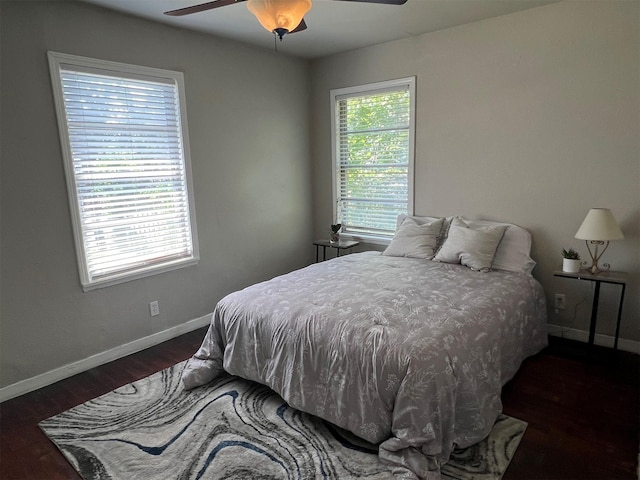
(599,339)
(66,371)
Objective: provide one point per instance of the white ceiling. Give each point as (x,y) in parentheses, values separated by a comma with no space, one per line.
(333,26)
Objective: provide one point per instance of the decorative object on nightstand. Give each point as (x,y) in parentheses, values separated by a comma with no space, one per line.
(598,228)
(570,261)
(335,233)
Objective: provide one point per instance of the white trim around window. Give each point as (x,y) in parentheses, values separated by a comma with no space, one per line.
(373,157)
(125,146)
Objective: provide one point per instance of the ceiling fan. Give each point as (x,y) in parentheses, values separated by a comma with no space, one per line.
(277,16)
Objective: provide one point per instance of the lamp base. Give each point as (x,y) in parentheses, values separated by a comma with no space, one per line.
(595,268)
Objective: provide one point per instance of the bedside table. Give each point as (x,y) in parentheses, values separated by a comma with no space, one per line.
(339,245)
(616,278)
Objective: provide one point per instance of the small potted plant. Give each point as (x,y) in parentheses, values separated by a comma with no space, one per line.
(335,233)
(570,261)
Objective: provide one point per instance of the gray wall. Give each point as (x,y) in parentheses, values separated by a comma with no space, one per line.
(531,118)
(251,180)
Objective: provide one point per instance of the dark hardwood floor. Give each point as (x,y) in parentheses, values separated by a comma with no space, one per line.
(583,415)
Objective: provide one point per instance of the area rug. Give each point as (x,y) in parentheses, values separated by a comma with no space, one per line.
(153,429)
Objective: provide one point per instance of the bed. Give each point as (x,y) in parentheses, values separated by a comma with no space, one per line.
(408,348)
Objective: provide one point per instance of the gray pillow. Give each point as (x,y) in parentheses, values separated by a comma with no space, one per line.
(414,240)
(446,221)
(473,247)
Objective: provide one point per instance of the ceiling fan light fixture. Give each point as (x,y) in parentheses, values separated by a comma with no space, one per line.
(279,16)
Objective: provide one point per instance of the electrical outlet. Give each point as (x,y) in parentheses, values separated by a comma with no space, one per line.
(154,308)
(560,301)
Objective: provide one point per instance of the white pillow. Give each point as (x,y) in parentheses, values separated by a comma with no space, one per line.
(415,240)
(513,252)
(473,247)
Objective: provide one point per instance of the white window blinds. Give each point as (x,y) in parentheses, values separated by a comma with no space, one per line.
(374,148)
(127,170)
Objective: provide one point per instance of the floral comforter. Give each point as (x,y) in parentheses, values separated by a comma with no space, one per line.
(408,353)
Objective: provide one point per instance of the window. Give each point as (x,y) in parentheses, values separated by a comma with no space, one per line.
(373,142)
(126,156)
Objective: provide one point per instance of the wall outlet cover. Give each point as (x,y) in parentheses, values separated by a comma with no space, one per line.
(154,308)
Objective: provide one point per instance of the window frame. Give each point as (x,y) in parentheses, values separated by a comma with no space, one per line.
(61,61)
(365,90)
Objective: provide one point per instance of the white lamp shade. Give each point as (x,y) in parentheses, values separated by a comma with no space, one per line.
(273,14)
(599,225)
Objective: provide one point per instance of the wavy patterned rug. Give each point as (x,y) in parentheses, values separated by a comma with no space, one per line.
(233,429)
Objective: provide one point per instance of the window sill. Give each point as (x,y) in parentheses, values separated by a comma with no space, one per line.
(138,274)
(371,239)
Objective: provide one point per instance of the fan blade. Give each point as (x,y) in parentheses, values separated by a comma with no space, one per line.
(301,26)
(385,2)
(202,7)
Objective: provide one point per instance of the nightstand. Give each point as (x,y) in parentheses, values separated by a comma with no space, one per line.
(339,245)
(616,278)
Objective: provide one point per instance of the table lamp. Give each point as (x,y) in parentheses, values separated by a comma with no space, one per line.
(598,228)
